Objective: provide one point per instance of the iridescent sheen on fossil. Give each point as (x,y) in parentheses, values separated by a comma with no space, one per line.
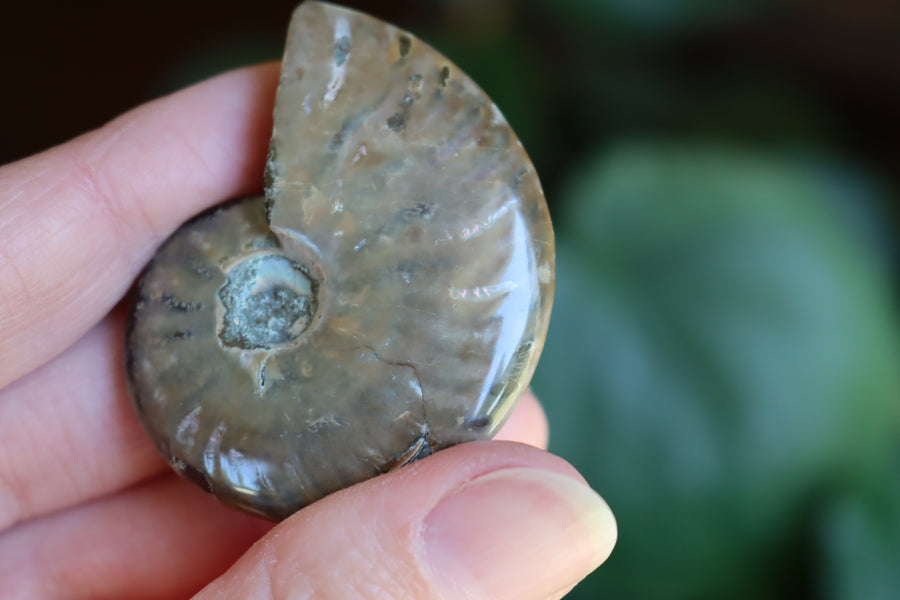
(388,296)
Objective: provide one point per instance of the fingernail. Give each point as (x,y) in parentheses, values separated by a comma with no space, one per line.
(517,533)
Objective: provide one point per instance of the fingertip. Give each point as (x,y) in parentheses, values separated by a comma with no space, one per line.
(527,424)
(482,541)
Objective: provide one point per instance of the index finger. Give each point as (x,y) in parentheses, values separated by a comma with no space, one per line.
(79,221)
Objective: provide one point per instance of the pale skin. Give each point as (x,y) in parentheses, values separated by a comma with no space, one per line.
(87,507)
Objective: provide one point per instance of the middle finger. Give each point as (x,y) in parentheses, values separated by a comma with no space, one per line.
(68,433)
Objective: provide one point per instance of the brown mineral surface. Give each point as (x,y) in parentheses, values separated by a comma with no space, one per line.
(387,298)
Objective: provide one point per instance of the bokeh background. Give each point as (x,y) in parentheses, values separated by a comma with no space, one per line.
(723,362)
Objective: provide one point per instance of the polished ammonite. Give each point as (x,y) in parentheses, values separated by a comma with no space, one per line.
(388,296)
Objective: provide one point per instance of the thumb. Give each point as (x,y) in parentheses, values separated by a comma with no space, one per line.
(484,520)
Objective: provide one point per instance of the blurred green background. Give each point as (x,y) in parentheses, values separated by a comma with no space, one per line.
(723,362)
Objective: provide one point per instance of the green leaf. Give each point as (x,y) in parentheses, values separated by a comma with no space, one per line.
(722,350)
(860,540)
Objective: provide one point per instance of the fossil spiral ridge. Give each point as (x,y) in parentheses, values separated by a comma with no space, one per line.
(388,296)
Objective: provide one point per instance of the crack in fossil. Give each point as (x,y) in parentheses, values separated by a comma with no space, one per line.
(424,445)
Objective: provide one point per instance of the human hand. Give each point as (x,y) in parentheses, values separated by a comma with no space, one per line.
(87,507)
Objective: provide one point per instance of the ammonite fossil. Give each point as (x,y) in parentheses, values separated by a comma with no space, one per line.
(388,296)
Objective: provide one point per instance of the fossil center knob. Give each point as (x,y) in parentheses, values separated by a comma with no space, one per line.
(268,301)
